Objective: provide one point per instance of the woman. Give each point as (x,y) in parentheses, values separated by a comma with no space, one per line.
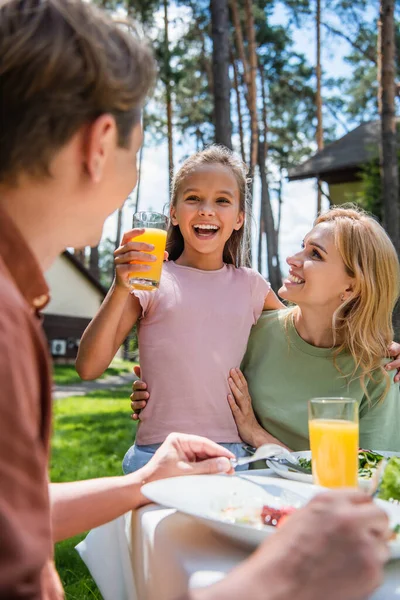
(344,284)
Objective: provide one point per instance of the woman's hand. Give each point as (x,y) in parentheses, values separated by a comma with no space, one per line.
(131,252)
(183,454)
(242,410)
(139,396)
(249,428)
(394,350)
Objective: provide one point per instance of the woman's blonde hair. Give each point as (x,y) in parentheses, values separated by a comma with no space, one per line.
(362,325)
(236,248)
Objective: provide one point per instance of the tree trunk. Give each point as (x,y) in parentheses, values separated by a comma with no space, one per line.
(388,155)
(94,262)
(389,160)
(274,270)
(260,238)
(238,105)
(252,90)
(280,201)
(119,228)
(267,218)
(222,85)
(318,99)
(79,253)
(168,95)
(140,164)
(239,41)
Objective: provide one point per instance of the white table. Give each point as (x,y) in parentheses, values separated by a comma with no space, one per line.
(157,554)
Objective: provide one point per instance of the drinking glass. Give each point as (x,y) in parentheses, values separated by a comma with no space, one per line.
(155,225)
(333,429)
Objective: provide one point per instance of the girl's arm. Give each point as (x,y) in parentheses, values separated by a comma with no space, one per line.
(118,313)
(272,301)
(249,428)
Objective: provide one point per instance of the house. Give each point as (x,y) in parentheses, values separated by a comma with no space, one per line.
(340,164)
(75,298)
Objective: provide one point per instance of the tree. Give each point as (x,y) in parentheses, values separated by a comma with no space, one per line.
(168,93)
(220,57)
(387,92)
(79,253)
(252,88)
(318,97)
(94,262)
(238,105)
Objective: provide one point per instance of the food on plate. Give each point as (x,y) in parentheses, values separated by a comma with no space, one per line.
(257,516)
(368,460)
(276,516)
(268,516)
(390,485)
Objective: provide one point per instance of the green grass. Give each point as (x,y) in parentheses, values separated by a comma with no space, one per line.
(67,375)
(91,436)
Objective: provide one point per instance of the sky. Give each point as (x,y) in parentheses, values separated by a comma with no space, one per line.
(299,198)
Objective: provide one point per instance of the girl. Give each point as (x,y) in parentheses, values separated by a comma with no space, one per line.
(196,325)
(344,284)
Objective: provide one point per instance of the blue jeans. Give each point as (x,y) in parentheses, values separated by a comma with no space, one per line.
(138,456)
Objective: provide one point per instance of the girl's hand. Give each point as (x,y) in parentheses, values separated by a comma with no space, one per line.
(128,252)
(140,395)
(240,403)
(394,350)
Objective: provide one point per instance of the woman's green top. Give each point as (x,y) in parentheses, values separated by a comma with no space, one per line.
(284,372)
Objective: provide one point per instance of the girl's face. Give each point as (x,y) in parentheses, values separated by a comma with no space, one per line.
(317,275)
(208,209)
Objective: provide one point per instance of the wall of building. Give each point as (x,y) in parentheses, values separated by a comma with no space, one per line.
(344,192)
(72,295)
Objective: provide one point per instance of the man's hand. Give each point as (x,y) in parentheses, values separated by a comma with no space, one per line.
(139,396)
(183,454)
(334,548)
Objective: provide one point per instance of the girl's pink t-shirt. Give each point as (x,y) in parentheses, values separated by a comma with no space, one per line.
(192,331)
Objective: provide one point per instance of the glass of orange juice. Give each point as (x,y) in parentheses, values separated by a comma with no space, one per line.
(155,225)
(333,429)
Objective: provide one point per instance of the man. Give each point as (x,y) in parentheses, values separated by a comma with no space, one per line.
(72,85)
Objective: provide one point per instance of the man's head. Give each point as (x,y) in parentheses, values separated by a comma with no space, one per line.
(72,85)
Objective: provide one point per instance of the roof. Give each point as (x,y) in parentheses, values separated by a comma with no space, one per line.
(356,148)
(77,263)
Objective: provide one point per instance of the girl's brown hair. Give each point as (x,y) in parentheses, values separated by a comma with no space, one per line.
(236,248)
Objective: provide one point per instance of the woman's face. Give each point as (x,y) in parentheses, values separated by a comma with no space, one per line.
(317,275)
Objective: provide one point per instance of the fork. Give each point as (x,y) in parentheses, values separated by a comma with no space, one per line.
(270,452)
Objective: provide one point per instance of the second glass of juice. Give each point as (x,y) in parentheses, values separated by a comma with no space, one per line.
(155,225)
(334,441)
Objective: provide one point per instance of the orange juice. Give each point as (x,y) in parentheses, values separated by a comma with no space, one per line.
(149,280)
(334,451)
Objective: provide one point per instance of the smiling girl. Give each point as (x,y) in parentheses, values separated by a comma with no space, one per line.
(196,325)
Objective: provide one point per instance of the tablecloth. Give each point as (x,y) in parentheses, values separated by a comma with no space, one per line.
(155,553)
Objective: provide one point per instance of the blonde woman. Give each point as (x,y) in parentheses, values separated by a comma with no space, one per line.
(344,284)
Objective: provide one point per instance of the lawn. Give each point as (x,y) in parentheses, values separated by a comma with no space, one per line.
(91,436)
(67,375)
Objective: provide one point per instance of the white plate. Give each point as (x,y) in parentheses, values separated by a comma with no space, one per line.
(204,497)
(304,478)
